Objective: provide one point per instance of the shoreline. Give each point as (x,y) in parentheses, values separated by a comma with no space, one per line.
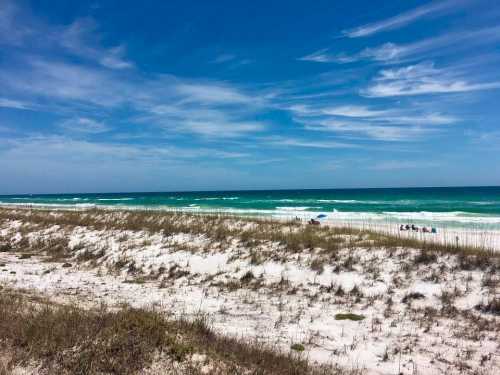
(451,235)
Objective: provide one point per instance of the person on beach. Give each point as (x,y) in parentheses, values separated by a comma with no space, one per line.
(407,227)
(402,227)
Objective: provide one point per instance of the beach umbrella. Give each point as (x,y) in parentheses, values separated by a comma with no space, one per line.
(321,216)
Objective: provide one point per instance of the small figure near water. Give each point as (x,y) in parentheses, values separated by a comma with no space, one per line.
(414,228)
(313,222)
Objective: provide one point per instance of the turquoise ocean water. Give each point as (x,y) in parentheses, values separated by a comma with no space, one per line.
(470,207)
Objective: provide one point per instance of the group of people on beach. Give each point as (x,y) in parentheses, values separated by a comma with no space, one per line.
(414,228)
(310,222)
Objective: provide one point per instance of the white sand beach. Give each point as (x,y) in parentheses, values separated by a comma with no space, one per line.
(419,312)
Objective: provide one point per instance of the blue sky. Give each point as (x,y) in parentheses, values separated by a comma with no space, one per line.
(199,95)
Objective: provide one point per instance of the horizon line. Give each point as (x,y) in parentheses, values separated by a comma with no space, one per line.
(255,190)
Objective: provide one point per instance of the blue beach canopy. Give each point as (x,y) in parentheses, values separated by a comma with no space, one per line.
(321,216)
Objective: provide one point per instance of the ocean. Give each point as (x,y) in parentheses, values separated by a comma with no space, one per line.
(463,207)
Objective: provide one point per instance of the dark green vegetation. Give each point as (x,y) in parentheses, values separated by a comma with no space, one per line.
(298,347)
(349,316)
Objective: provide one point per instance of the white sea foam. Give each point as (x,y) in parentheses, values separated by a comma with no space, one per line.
(86,205)
(216,198)
(345,201)
(485,203)
(115,199)
(293,208)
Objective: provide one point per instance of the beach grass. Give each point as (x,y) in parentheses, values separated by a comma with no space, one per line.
(291,235)
(67,339)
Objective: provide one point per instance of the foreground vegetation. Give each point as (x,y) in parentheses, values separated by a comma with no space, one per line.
(66,339)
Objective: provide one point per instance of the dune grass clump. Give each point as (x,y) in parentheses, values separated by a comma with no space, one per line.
(412,296)
(491,307)
(68,339)
(298,347)
(349,316)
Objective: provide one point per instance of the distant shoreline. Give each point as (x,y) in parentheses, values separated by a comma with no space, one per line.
(469,237)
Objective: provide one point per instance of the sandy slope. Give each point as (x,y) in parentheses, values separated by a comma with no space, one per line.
(285,298)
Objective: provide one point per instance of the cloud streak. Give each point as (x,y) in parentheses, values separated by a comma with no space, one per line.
(57,148)
(403,164)
(80,39)
(422,79)
(295,142)
(84,125)
(432,9)
(355,122)
(15,104)
(206,108)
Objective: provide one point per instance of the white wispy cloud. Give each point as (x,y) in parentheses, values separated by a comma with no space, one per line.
(224,57)
(207,108)
(359,112)
(55,148)
(353,111)
(432,9)
(320,56)
(84,125)
(485,139)
(342,110)
(99,78)
(299,142)
(355,121)
(325,55)
(207,122)
(430,47)
(11,31)
(392,53)
(404,164)
(65,164)
(421,119)
(421,79)
(214,93)
(80,38)
(64,81)
(374,131)
(16,104)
